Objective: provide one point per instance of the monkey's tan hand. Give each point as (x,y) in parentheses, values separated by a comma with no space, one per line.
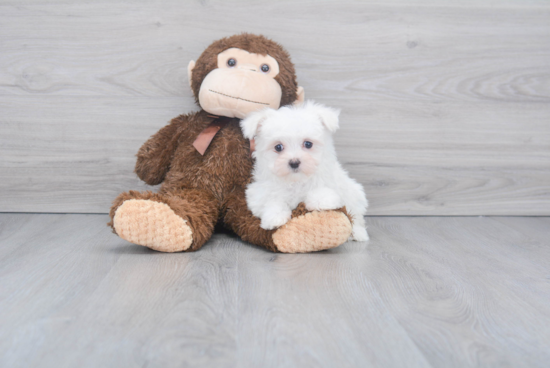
(313,231)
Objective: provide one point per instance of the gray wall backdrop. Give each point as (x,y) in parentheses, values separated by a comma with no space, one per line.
(445,105)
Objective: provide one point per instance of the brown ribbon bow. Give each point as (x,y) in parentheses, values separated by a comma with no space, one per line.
(205,137)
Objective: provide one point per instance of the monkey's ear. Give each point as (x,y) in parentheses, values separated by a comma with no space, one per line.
(252,122)
(190,71)
(327,115)
(300,96)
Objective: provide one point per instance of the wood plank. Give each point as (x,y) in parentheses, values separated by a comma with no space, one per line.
(465,286)
(318,310)
(428,51)
(73,294)
(57,166)
(425,291)
(445,106)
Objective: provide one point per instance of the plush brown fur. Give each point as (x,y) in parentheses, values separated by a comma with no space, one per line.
(206,189)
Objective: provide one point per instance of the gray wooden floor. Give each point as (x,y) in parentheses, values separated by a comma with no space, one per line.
(425,292)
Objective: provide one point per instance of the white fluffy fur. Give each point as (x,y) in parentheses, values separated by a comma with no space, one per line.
(319,181)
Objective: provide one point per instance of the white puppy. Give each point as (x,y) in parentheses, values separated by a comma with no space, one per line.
(296,162)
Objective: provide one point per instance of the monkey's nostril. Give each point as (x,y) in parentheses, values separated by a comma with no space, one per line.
(294,164)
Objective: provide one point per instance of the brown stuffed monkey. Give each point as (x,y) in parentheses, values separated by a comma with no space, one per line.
(204,162)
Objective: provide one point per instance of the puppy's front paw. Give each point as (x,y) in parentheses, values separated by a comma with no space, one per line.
(274,219)
(359,233)
(323,199)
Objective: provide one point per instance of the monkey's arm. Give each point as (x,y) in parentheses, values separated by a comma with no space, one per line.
(155,156)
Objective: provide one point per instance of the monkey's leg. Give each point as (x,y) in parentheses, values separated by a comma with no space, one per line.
(170,222)
(305,232)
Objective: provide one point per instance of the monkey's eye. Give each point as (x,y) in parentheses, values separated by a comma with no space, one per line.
(308,144)
(279,147)
(231,62)
(265,68)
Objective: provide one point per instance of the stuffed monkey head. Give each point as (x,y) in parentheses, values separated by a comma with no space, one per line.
(241,74)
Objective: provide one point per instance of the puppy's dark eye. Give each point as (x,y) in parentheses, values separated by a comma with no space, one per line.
(231,62)
(265,68)
(308,144)
(279,147)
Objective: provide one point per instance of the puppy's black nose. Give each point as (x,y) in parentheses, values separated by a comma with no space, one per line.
(294,163)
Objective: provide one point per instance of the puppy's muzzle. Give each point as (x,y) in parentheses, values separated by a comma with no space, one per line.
(294,164)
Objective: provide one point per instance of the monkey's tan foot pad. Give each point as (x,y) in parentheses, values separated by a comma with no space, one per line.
(152,224)
(312,232)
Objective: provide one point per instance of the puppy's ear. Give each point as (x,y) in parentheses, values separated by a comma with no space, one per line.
(327,115)
(252,122)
